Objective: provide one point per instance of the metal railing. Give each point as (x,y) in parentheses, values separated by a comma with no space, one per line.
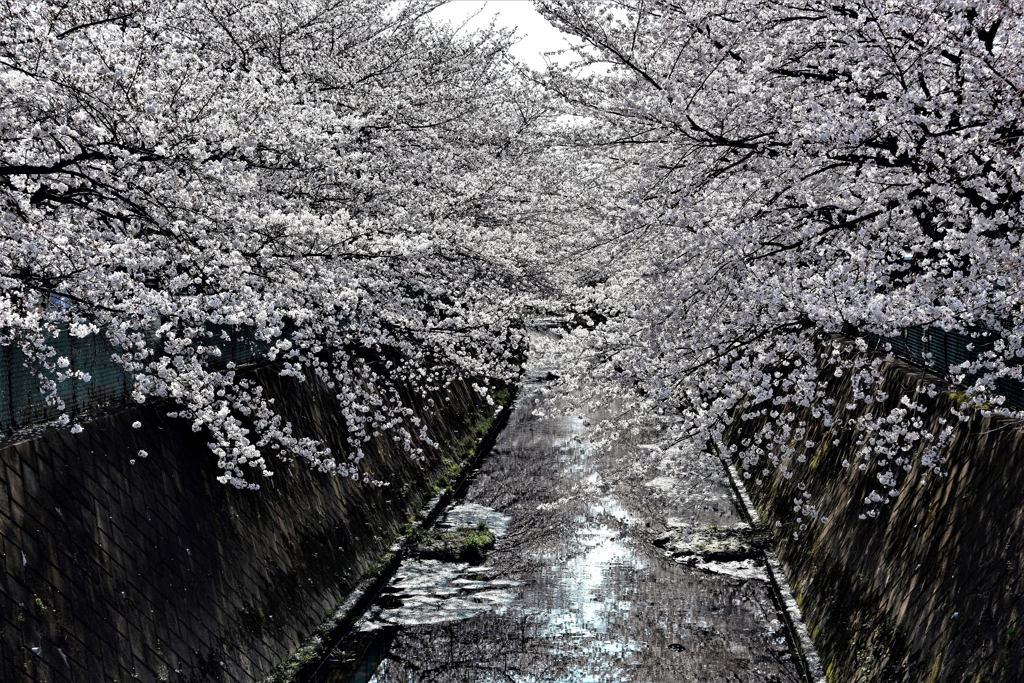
(22,403)
(938,350)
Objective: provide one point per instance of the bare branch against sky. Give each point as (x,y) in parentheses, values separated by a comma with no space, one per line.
(537,35)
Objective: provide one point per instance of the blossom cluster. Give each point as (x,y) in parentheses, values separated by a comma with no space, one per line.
(790,172)
(329,180)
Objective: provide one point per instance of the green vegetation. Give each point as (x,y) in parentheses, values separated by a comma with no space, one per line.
(960,397)
(465,544)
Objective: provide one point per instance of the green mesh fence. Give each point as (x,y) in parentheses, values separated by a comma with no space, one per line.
(240,347)
(22,403)
(938,350)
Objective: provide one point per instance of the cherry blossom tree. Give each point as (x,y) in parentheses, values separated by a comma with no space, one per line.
(331,179)
(795,171)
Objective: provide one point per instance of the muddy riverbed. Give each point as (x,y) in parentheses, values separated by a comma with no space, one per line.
(591,579)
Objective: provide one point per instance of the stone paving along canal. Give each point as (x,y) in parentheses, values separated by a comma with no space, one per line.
(575,591)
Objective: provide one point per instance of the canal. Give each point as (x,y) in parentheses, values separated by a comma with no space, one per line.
(578,588)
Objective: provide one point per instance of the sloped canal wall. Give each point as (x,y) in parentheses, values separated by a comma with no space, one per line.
(930,590)
(153,571)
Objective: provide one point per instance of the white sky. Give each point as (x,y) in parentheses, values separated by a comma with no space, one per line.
(536,34)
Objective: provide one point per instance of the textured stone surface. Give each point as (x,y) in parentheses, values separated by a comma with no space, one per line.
(931,589)
(155,572)
(714,544)
(465,544)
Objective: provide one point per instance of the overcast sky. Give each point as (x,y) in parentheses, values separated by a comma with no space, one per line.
(536,34)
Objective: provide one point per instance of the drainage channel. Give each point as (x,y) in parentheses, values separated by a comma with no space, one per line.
(575,591)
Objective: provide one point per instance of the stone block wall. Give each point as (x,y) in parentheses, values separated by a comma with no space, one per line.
(153,571)
(931,590)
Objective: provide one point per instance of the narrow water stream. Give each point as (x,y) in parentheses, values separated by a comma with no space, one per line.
(575,591)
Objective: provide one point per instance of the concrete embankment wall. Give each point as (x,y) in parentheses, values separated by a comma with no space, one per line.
(931,589)
(155,572)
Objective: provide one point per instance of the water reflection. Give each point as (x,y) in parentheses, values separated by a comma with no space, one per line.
(425,591)
(574,592)
(433,592)
(471,514)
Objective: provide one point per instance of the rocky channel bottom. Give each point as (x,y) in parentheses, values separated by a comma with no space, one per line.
(711,548)
(581,585)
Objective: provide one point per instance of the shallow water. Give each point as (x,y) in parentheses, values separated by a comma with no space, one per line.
(574,592)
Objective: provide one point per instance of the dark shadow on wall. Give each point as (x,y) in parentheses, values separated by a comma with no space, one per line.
(156,572)
(931,589)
